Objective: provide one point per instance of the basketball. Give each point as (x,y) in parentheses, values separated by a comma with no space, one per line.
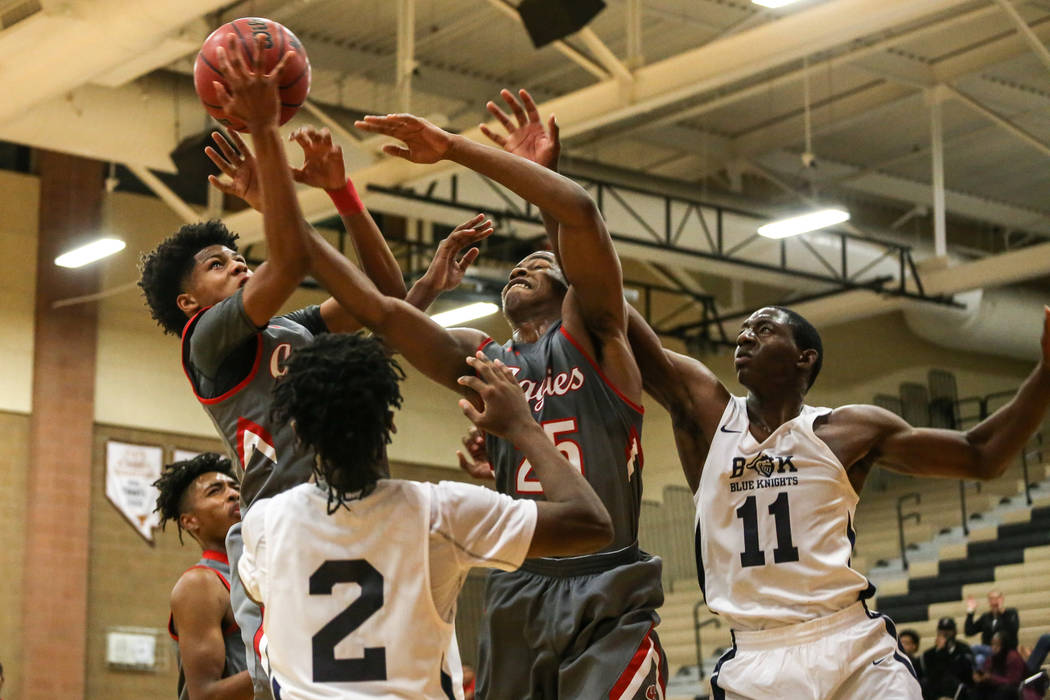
(294,80)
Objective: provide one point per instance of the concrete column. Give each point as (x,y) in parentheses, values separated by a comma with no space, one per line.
(58,492)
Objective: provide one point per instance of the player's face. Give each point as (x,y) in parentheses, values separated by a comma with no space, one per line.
(215,505)
(533,280)
(217,274)
(765,349)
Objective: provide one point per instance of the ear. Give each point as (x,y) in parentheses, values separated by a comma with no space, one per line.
(807,358)
(189,523)
(188,304)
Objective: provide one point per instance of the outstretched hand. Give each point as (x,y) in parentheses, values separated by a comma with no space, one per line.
(238,164)
(529,138)
(476,460)
(505,412)
(424,142)
(446,271)
(323,164)
(249,94)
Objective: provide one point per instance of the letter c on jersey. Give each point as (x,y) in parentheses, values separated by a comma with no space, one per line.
(279,355)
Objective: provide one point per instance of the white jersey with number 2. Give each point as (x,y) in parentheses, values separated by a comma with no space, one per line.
(360,602)
(774,524)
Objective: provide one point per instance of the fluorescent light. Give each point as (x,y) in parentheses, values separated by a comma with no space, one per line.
(462,314)
(804,223)
(85,254)
(773,3)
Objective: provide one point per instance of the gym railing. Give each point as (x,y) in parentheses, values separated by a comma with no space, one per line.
(697,624)
(901,517)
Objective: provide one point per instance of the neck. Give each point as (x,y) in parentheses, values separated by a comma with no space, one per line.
(214,545)
(767,413)
(533,329)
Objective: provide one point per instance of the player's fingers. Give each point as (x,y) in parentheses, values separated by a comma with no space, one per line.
(221,163)
(236,56)
(224,187)
(223,59)
(238,143)
(554,130)
(273,75)
(499,115)
(472,414)
(394,150)
(325,136)
(474,383)
(470,223)
(469,257)
(530,106)
(492,135)
(515,107)
(224,146)
(221,94)
(298,174)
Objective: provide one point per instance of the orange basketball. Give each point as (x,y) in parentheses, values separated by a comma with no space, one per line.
(294,80)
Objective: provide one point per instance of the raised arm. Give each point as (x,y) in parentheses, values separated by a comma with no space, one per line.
(199,602)
(983,452)
(435,351)
(252,97)
(572,519)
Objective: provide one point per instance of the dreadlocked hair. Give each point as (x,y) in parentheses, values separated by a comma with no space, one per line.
(166,267)
(339,393)
(176,479)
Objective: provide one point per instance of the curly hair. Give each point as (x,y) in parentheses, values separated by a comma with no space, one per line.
(175,480)
(166,268)
(339,392)
(806,338)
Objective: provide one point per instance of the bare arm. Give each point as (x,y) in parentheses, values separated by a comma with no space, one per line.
(573,519)
(435,351)
(199,604)
(983,452)
(253,97)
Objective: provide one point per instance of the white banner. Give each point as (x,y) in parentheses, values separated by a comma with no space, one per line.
(181,455)
(130,473)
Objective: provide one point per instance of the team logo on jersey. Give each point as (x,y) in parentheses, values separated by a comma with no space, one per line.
(552,384)
(763,464)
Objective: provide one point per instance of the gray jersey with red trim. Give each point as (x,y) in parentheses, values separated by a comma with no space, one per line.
(231,636)
(593,425)
(268,453)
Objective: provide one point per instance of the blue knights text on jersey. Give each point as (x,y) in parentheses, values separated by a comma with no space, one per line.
(774,524)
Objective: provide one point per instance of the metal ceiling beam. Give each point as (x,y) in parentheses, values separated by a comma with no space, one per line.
(999,119)
(605,56)
(1026,31)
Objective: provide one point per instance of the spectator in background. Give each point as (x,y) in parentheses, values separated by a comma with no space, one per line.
(997,619)
(1002,672)
(909,640)
(948,664)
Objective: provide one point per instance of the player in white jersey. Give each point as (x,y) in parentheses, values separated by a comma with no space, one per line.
(358,573)
(776,484)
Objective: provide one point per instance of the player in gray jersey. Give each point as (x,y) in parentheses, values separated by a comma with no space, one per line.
(591,619)
(201,497)
(198,285)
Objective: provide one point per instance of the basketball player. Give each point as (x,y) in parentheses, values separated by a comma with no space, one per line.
(776,485)
(201,497)
(404,546)
(570,354)
(197,284)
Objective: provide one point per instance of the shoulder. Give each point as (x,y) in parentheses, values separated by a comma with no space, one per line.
(195,587)
(861,415)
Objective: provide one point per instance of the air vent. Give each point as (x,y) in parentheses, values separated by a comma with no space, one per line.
(13,12)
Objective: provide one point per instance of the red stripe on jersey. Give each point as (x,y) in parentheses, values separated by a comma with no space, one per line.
(215,555)
(257,639)
(601,374)
(485,343)
(632,668)
(243,383)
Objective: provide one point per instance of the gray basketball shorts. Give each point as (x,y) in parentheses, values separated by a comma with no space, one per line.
(579,628)
(247,614)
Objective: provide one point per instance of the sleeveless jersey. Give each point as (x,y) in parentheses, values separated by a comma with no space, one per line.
(231,636)
(268,454)
(774,524)
(594,426)
(349,608)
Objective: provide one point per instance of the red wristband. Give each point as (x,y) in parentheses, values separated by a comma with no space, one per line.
(346,200)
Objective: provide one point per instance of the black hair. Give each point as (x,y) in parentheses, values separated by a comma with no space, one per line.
(806,338)
(166,267)
(176,479)
(911,633)
(338,393)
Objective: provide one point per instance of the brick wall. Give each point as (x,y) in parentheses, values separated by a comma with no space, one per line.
(14,464)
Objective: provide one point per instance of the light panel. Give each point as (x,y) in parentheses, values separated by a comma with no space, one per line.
(462,314)
(773,3)
(804,223)
(89,253)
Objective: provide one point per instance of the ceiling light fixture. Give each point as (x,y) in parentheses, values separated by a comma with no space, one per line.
(804,223)
(462,314)
(773,3)
(89,253)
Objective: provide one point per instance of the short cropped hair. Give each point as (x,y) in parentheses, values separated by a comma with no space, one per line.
(913,634)
(176,479)
(806,338)
(339,393)
(165,269)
